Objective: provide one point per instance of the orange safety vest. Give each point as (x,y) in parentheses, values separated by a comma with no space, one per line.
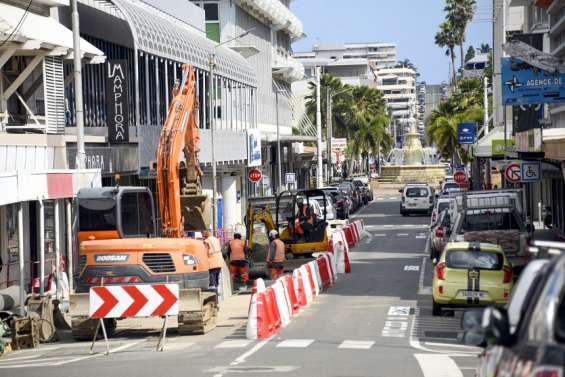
(237,250)
(279,251)
(215,258)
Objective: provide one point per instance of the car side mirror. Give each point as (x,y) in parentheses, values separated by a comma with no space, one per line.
(400,191)
(473,334)
(496,327)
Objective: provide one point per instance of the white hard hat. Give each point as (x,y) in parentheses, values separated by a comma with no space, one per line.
(273,233)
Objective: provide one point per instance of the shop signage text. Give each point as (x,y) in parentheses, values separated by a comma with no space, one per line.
(117,103)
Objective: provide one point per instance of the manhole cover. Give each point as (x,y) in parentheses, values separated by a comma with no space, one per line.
(441,334)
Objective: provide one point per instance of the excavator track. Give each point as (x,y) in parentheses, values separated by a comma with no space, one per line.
(199,322)
(83,328)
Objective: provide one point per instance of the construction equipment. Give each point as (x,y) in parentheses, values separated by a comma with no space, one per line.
(302,235)
(119,241)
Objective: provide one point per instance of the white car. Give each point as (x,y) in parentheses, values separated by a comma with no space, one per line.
(330,209)
(441,204)
(417,198)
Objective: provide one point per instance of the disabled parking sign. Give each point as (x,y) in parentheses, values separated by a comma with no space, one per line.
(530,171)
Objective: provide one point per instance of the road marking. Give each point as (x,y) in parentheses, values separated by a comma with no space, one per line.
(379,235)
(242,358)
(295,343)
(450,345)
(399,310)
(421,289)
(411,268)
(177,346)
(402,234)
(421,236)
(234,344)
(356,344)
(438,365)
(118,349)
(395,329)
(259,369)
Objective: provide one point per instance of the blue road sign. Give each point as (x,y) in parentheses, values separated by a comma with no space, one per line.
(466,133)
(523,84)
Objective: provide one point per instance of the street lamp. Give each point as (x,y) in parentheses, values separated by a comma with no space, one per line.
(212,107)
(279,162)
(319,172)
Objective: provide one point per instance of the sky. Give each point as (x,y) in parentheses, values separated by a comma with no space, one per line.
(411,24)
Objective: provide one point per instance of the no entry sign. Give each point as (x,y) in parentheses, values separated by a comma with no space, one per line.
(255,175)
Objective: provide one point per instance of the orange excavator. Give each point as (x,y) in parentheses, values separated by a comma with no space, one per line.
(118,234)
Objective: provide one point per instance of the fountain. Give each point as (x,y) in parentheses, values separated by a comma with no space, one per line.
(413,163)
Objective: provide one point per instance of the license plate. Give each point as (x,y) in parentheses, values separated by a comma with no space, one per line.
(472,294)
(412,204)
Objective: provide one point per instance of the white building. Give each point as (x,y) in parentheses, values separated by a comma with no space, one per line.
(398,85)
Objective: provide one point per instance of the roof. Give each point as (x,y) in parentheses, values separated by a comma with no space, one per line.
(42,32)
(160,34)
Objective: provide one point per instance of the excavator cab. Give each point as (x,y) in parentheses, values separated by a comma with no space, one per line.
(115,212)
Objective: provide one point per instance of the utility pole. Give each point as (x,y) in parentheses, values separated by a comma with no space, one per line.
(79,106)
(485,104)
(212,117)
(279,162)
(319,172)
(329,133)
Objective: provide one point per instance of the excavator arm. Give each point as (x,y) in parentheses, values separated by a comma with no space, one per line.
(257,214)
(182,205)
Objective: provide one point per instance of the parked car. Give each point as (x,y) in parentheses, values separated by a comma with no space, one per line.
(340,201)
(440,204)
(528,337)
(417,198)
(330,210)
(439,233)
(471,274)
(493,219)
(351,191)
(364,190)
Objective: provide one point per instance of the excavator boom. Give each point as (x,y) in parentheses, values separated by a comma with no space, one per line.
(182,205)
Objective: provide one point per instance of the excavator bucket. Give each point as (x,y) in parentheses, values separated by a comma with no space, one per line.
(196,210)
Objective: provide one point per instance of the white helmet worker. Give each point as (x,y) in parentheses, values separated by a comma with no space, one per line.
(273,234)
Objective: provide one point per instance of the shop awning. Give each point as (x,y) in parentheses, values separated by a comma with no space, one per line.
(41,32)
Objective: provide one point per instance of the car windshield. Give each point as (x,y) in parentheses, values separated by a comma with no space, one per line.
(450,185)
(416,192)
(478,221)
(463,259)
(441,206)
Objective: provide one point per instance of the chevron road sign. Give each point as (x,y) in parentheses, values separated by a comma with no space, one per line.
(124,301)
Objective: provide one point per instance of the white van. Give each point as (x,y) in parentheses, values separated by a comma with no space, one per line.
(417,198)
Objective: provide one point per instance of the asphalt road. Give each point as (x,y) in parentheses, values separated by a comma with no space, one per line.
(374,322)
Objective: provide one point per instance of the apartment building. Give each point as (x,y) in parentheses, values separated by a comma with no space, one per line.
(398,85)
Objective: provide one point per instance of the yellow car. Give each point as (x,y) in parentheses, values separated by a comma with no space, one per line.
(471,274)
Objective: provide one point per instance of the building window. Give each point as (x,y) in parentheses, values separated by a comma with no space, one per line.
(212,16)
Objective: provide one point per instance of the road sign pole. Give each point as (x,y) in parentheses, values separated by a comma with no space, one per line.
(162,337)
(98,326)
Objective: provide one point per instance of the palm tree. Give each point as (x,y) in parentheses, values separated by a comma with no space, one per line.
(485,48)
(459,13)
(447,37)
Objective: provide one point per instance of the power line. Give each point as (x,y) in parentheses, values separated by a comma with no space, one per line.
(18,25)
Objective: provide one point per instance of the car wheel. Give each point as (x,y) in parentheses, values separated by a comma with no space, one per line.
(436,309)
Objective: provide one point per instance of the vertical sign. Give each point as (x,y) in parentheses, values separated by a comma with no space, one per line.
(467,133)
(254,148)
(117,103)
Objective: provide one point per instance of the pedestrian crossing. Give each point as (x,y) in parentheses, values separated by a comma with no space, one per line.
(303,343)
(418,236)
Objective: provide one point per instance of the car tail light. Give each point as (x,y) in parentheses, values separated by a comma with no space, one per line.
(403,199)
(507,274)
(434,216)
(546,372)
(440,271)
(439,232)
(431,199)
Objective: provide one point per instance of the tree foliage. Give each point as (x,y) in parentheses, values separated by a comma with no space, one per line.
(470,54)
(358,114)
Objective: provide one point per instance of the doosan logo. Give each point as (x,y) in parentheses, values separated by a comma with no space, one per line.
(110,258)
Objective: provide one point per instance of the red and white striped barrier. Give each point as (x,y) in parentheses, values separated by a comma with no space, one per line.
(126,301)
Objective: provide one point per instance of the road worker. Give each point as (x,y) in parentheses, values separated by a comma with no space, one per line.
(215,258)
(275,255)
(238,259)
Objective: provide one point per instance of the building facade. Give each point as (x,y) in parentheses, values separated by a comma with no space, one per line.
(398,85)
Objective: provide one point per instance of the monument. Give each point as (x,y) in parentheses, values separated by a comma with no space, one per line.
(412,162)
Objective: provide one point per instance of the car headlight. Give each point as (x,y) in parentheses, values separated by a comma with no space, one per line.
(189,260)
